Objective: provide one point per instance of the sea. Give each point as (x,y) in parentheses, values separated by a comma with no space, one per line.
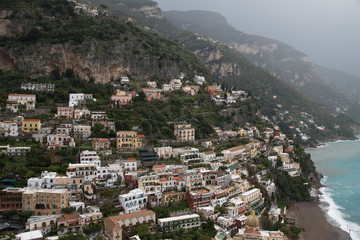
(339,162)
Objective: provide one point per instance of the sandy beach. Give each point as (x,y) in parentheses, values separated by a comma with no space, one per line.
(310,216)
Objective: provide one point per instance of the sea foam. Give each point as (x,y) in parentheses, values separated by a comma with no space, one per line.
(334,214)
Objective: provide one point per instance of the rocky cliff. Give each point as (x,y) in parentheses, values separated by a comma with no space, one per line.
(101,48)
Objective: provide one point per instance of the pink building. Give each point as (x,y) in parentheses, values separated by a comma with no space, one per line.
(67,112)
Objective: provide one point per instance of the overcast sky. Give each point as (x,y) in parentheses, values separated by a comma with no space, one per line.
(328,31)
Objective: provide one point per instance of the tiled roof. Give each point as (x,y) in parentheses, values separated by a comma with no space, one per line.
(179,179)
(159,166)
(234,149)
(111,222)
(102,139)
(31,120)
(69,216)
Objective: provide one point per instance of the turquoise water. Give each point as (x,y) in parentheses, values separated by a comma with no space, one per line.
(339,162)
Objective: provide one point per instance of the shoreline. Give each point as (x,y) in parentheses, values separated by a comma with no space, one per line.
(313,219)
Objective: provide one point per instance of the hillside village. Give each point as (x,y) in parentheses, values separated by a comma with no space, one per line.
(124,185)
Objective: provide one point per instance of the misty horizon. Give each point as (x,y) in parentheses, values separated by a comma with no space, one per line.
(326,31)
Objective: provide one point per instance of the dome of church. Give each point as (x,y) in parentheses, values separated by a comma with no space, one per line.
(252,221)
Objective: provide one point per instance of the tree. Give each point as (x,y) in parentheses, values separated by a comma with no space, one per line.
(10,213)
(68,210)
(141,230)
(78,236)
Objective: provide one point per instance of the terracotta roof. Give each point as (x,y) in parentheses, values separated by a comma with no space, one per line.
(251,231)
(69,216)
(179,179)
(234,149)
(112,221)
(163,179)
(209,152)
(141,135)
(102,139)
(8,121)
(130,160)
(159,166)
(15,94)
(31,120)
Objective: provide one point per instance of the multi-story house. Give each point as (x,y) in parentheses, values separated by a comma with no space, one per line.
(167,88)
(82,131)
(74,182)
(252,198)
(152,188)
(90,158)
(81,113)
(222,178)
(69,223)
(130,164)
(191,157)
(14,102)
(30,125)
(78,98)
(65,112)
(173,196)
(176,83)
(43,223)
(47,87)
(100,144)
(115,225)
(59,141)
(9,129)
(41,134)
(234,153)
(11,199)
(151,93)
(91,214)
(191,89)
(199,198)
(110,174)
(128,141)
(184,132)
(133,201)
(151,84)
(45,201)
(212,90)
(64,129)
(98,116)
(177,223)
(235,208)
(164,152)
(87,170)
(14,151)
(120,99)
(192,178)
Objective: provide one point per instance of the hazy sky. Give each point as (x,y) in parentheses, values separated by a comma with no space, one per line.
(328,31)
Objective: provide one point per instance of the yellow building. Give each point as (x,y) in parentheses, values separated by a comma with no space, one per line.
(242,132)
(30,125)
(173,196)
(128,141)
(45,201)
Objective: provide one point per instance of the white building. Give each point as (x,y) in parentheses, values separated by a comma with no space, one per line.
(199,79)
(130,164)
(90,158)
(9,129)
(167,88)
(110,174)
(176,84)
(124,80)
(16,100)
(133,201)
(179,222)
(77,98)
(88,171)
(164,152)
(60,140)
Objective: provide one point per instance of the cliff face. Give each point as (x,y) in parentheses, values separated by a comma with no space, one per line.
(87,61)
